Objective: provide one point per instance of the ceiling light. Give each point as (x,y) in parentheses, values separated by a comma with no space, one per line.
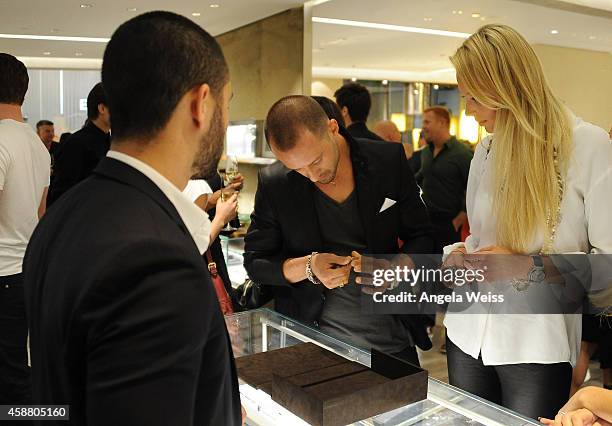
(385,82)
(196,14)
(55,30)
(46,53)
(354,79)
(454,12)
(214,6)
(54,38)
(592,37)
(86,6)
(389,27)
(78,54)
(436,87)
(460,12)
(475,15)
(427,19)
(131,9)
(482,18)
(554,32)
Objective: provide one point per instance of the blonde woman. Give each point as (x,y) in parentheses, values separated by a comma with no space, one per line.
(541,184)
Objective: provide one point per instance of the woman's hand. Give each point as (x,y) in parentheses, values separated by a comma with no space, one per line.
(580,417)
(227,210)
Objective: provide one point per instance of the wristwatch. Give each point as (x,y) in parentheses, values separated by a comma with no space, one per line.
(535,275)
(309,274)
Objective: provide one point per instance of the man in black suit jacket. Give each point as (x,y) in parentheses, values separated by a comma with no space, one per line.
(333,194)
(125,326)
(355,101)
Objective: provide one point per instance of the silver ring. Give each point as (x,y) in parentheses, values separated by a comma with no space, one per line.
(562,413)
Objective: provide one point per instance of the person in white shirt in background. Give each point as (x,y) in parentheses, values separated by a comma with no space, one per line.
(540,184)
(24,178)
(200,193)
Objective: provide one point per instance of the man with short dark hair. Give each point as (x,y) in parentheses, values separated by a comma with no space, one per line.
(85,148)
(124,319)
(328,200)
(443,175)
(355,102)
(24,178)
(46,132)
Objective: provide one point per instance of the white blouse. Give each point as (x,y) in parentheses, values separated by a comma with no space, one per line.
(586,213)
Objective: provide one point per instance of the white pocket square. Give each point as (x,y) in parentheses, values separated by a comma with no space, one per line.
(386,204)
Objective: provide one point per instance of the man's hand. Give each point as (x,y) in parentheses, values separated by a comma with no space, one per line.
(459,220)
(367,265)
(580,417)
(333,271)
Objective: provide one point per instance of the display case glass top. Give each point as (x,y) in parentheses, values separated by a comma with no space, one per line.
(263,330)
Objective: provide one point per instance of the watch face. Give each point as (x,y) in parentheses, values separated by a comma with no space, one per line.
(537,274)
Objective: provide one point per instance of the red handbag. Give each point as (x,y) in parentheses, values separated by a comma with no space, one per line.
(225,302)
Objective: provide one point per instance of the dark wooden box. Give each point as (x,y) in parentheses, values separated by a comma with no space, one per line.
(326,389)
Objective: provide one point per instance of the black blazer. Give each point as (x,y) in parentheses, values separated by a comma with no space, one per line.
(359,130)
(284,222)
(124,321)
(78,157)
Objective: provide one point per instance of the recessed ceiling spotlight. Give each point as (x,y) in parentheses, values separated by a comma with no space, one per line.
(427,19)
(196,14)
(214,5)
(454,12)
(86,6)
(476,15)
(55,30)
(460,12)
(354,79)
(592,37)
(131,9)
(482,18)
(436,87)
(78,54)
(554,31)
(385,82)
(46,53)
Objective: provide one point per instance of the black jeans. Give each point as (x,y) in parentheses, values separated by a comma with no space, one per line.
(444,232)
(15,387)
(533,390)
(409,355)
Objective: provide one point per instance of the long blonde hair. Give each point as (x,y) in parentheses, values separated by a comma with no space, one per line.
(532,131)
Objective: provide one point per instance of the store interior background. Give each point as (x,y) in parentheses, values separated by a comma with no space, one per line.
(399,49)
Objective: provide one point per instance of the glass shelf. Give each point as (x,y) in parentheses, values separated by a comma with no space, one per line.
(262,330)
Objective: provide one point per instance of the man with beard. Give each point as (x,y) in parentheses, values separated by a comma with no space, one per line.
(124,322)
(329,199)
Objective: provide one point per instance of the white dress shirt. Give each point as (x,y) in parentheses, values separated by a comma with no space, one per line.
(584,228)
(195,219)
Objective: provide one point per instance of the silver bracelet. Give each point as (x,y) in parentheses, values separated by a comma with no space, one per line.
(309,274)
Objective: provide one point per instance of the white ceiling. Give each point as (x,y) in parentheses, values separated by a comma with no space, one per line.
(373,53)
(338,51)
(67,18)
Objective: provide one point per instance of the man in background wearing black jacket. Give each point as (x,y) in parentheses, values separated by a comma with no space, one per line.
(335,195)
(83,150)
(125,326)
(355,102)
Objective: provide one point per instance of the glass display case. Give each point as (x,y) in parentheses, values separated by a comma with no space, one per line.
(262,330)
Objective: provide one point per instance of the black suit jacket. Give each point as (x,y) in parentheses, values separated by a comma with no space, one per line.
(79,156)
(284,223)
(359,130)
(124,321)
